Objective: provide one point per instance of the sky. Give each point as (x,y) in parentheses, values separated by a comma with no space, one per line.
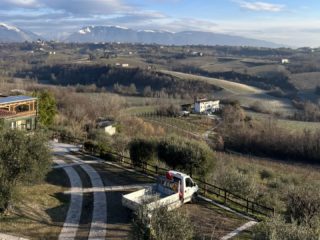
(290,22)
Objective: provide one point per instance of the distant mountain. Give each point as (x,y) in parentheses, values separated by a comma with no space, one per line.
(126,35)
(10,33)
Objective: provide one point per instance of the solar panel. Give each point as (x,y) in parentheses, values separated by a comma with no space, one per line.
(14,99)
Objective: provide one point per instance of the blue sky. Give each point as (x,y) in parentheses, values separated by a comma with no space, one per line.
(283,21)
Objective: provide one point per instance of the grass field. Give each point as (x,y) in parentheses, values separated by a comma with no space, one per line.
(196,125)
(306,81)
(291,125)
(304,172)
(236,88)
(270,179)
(39,211)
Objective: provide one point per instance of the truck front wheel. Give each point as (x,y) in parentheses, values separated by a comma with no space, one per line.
(194,198)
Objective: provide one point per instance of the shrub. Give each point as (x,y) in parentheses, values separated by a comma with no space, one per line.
(259,107)
(266,174)
(188,155)
(235,181)
(169,111)
(303,204)
(278,229)
(233,115)
(47,107)
(23,159)
(141,152)
(163,225)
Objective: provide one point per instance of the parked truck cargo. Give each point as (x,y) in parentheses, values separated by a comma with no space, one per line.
(171,191)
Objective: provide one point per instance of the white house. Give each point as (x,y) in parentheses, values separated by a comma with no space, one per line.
(107,126)
(204,105)
(111,130)
(285,61)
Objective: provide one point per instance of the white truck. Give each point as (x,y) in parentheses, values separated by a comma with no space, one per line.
(171,191)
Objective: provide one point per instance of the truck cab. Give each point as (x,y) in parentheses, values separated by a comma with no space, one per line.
(187,187)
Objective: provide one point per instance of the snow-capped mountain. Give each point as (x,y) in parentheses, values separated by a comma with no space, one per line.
(9,33)
(126,35)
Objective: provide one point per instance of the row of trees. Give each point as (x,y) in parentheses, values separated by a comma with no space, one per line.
(266,138)
(269,81)
(107,76)
(188,155)
(308,111)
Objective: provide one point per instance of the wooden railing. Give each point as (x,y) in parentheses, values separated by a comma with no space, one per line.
(23,114)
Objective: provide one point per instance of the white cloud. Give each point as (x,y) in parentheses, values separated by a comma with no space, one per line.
(86,7)
(53,17)
(20,3)
(261,6)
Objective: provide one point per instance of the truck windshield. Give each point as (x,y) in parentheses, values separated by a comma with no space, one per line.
(175,179)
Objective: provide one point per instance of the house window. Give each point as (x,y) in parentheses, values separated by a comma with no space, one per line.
(22,108)
(21,124)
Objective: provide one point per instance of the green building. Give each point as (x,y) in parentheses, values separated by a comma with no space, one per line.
(19,112)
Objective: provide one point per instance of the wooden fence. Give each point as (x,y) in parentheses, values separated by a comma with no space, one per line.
(218,194)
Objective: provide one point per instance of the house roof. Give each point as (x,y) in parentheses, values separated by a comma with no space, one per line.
(206,100)
(105,123)
(5,113)
(15,99)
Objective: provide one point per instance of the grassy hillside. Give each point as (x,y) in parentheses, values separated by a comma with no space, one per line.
(247,95)
(39,210)
(306,81)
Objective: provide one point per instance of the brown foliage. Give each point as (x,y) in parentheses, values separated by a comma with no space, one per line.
(137,127)
(266,138)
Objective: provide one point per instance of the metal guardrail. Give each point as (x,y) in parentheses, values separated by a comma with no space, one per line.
(209,190)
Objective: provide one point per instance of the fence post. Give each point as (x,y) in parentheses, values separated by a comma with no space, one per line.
(247,206)
(225,197)
(156,168)
(205,189)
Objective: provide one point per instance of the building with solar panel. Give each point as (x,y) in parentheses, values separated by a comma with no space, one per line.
(19,112)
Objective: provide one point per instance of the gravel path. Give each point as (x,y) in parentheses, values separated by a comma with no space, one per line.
(71,224)
(99,215)
(10,237)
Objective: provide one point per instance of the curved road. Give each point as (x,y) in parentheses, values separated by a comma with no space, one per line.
(99,215)
(108,182)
